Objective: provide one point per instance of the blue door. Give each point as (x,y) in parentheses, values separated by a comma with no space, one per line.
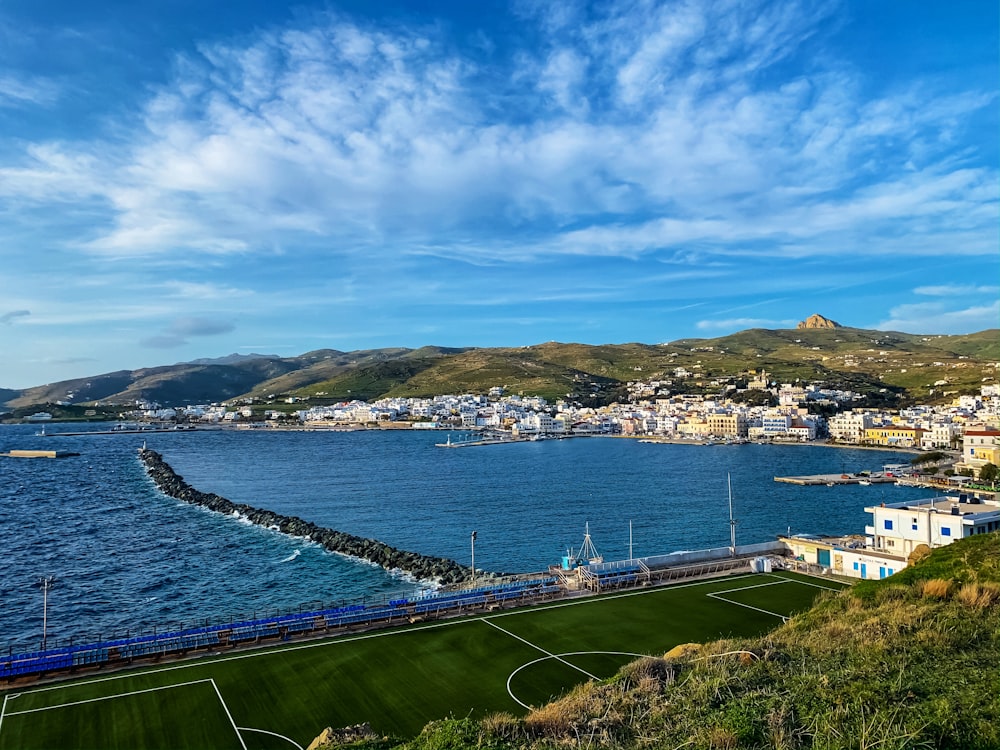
(864,570)
(823,557)
(881,572)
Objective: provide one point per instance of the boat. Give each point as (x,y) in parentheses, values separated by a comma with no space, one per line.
(865,483)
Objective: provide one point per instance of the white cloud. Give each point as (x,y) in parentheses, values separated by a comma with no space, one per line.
(738,324)
(204,290)
(13,316)
(643,129)
(957,290)
(19,91)
(935,317)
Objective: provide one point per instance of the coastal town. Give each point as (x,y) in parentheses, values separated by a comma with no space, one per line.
(762,411)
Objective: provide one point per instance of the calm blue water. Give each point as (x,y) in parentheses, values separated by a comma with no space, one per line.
(127,557)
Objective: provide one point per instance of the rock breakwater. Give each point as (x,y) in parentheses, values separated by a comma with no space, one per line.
(423,567)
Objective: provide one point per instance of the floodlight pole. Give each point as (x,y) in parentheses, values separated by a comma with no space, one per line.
(732,521)
(473,557)
(46,584)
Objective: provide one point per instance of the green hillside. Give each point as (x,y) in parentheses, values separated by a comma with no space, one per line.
(888,367)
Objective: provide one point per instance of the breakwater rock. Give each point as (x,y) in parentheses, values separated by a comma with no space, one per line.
(423,567)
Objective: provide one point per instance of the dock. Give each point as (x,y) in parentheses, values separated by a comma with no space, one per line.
(473,443)
(38,454)
(833,479)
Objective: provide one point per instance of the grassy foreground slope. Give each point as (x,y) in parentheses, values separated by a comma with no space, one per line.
(909,662)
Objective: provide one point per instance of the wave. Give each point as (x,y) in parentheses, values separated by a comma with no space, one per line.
(292,556)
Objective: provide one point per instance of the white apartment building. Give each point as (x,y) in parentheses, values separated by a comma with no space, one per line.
(940,435)
(898,528)
(849,426)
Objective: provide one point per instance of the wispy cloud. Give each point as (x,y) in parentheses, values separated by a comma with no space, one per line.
(957,290)
(182,329)
(736,324)
(13,316)
(15,91)
(935,317)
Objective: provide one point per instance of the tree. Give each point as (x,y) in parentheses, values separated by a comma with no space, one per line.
(989,473)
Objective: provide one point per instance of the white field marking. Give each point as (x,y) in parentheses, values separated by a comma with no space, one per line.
(548,654)
(104,698)
(226,708)
(546,658)
(334,640)
(807,583)
(748,606)
(273,734)
(604,597)
(3,709)
(747,588)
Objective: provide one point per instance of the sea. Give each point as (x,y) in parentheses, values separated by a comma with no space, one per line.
(125,559)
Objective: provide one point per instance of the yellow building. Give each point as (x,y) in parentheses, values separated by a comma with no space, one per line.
(727,425)
(894,436)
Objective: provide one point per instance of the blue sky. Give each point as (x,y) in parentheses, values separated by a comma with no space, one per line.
(186,179)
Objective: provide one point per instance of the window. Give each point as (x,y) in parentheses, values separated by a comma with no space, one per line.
(855,565)
(945,531)
(888,524)
(914,527)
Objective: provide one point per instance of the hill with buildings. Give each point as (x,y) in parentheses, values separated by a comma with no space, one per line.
(883,366)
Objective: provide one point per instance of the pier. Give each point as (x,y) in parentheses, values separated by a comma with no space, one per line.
(833,479)
(38,454)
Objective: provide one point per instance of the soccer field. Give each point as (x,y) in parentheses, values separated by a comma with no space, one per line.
(396,679)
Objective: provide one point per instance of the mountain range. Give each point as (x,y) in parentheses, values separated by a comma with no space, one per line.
(882,365)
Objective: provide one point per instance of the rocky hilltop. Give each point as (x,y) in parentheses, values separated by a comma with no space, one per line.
(818,321)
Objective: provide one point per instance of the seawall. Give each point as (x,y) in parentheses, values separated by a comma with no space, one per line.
(423,567)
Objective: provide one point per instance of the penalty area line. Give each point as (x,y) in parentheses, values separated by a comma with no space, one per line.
(748,606)
(807,583)
(103,698)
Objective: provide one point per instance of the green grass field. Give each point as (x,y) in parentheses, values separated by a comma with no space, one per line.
(396,679)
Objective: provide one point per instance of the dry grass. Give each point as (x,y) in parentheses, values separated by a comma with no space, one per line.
(569,715)
(936,588)
(503,726)
(978,595)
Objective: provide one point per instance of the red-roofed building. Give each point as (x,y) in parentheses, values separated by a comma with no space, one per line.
(980,447)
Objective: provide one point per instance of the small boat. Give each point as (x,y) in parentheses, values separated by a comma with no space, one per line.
(865,483)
